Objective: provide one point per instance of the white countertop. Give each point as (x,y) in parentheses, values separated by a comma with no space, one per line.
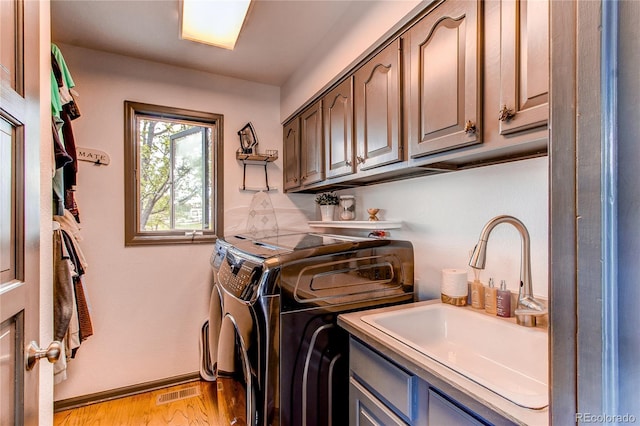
(433,372)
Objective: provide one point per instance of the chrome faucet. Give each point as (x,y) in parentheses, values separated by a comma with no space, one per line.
(528,308)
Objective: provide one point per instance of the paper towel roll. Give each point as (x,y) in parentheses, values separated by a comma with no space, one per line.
(454,282)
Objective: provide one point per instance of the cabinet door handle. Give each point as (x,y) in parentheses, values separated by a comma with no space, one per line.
(470,128)
(506,114)
(360,159)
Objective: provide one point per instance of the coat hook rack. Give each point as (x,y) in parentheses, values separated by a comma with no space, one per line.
(95,156)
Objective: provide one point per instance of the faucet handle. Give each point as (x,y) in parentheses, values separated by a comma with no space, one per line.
(527,317)
(531,312)
(528,310)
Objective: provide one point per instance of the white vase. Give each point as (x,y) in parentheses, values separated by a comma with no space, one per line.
(326,212)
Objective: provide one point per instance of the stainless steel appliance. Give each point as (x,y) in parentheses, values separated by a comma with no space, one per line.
(272,326)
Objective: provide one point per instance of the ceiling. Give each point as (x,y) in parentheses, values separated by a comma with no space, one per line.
(276,38)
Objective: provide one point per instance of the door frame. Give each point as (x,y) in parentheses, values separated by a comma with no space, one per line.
(583,141)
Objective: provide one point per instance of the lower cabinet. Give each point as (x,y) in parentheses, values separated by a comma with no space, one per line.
(383,393)
(444,412)
(367,410)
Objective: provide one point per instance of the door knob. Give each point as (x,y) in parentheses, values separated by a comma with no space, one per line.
(34,353)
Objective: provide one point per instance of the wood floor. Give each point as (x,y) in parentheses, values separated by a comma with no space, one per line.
(151,409)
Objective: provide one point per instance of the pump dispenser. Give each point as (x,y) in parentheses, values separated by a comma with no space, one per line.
(477,291)
(490,299)
(504,301)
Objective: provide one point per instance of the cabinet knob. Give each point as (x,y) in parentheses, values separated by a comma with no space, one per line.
(347,163)
(470,128)
(302,178)
(359,159)
(506,114)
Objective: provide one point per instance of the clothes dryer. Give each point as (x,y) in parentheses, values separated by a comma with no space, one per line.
(274,343)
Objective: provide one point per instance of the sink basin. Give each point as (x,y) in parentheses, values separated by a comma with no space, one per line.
(506,358)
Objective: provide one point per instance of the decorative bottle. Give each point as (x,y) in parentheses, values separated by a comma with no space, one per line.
(477,294)
(504,301)
(490,298)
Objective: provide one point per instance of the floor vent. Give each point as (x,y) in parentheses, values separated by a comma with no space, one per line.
(190,392)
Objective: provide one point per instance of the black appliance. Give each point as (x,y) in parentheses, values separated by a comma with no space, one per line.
(272,329)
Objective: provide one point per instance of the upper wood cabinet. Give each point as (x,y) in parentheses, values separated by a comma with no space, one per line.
(291,154)
(303,149)
(445,111)
(338,130)
(461,84)
(311,145)
(524,65)
(377,109)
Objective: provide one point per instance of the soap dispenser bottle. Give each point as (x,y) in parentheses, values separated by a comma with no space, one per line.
(490,299)
(504,300)
(477,292)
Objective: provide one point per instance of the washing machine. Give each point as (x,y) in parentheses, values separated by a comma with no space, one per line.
(273,343)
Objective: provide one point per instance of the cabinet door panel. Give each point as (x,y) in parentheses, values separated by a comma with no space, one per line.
(291,148)
(311,145)
(444,86)
(437,103)
(443,412)
(525,64)
(377,109)
(338,116)
(366,410)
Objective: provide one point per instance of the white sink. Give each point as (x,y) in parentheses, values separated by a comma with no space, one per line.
(509,359)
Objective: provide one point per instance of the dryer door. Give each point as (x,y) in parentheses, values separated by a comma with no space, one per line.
(215,322)
(314,376)
(236,372)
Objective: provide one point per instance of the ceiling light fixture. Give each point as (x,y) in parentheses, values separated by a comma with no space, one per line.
(214,22)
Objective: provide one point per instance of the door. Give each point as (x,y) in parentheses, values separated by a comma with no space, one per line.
(524,61)
(291,146)
(377,100)
(311,145)
(19,208)
(445,100)
(338,125)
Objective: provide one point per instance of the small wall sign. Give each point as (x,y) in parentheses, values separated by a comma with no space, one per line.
(95,156)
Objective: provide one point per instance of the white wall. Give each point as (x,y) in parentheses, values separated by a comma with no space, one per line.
(148,303)
(443,215)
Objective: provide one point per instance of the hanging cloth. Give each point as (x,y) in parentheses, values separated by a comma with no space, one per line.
(262,216)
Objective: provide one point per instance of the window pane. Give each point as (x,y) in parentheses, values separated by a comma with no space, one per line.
(191,189)
(177,174)
(9,44)
(7,203)
(174,178)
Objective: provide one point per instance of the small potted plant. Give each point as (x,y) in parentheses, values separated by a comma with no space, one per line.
(327,202)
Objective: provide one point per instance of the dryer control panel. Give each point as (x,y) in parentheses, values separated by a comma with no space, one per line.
(240,276)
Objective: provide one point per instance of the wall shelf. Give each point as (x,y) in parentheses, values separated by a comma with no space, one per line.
(269,157)
(379,225)
(253,159)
